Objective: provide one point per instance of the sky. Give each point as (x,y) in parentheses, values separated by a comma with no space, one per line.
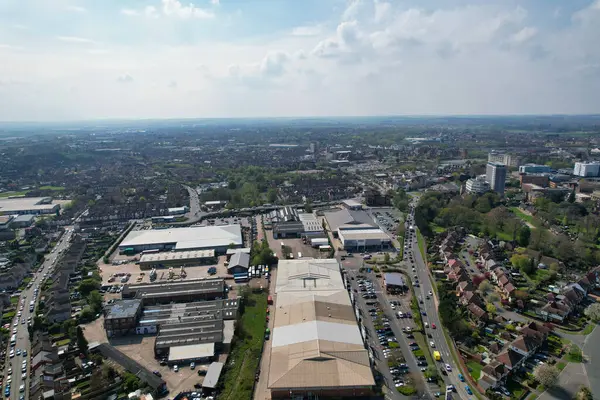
(91,59)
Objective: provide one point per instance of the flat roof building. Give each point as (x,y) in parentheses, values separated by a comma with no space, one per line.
(394,282)
(180,291)
(177,259)
(317,346)
(28,205)
(352,204)
(219,238)
(121,317)
(212,375)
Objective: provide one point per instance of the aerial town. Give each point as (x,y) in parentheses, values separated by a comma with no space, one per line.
(257,259)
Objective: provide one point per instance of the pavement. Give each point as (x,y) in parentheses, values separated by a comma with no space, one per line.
(572,378)
(591,351)
(430,308)
(22,333)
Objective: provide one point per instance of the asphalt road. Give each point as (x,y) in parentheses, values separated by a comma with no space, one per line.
(430,308)
(22,333)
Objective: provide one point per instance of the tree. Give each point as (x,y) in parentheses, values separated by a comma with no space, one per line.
(571,198)
(485,287)
(386,258)
(94,300)
(593,312)
(86,286)
(82,343)
(523,236)
(490,308)
(584,394)
(546,375)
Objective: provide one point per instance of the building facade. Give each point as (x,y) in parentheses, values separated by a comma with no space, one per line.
(496,176)
(534,169)
(587,169)
(477,185)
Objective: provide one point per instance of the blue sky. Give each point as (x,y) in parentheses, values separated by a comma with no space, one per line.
(84,59)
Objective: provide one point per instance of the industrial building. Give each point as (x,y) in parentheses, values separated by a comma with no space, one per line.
(352,204)
(496,176)
(177,259)
(217,238)
(357,230)
(178,210)
(394,283)
(121,317)
(287,222)
(239,263)
(180,291)
(317,349)
(28,205)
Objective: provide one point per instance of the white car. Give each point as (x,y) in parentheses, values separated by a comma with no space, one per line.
(175,368)
(432,344)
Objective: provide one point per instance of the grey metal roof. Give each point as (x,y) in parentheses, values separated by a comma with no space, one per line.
(336,219)
(124,309)
(239,259)
(394,279)
(212,375)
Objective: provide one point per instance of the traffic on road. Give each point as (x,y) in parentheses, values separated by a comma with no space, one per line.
(17,366)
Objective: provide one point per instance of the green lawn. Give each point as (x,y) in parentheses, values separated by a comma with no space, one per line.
(561,366)
(507,237)
(8,194)
(53,188)
(63,342)
(475,369)
(422,246)
(243,362)
(525,217)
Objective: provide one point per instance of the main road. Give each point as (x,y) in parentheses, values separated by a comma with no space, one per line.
(19,378)
(429,306)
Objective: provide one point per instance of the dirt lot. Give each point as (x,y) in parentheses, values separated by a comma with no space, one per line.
(296,245)
(141,349)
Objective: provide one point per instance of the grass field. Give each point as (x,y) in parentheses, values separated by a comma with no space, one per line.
(525,217)
(53,188)
(243,362)
(475,369)
(8,194)
(422,246)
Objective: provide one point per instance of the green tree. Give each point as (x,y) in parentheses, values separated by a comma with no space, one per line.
(485,287)
(490,308)
(86,286)
(522,262)
(82,343)
(571,198)
(386,258)
(523,236)
(94,300)
(584,394)
(593,312)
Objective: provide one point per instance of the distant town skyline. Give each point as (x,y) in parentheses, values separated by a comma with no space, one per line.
(67,60)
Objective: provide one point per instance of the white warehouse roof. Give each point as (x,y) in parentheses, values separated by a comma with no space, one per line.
(204,237)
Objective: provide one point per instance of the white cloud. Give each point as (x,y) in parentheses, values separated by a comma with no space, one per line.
(77,9)
(171,8)
(524,34)
(382,10)
(371,58)
(175,8)
(215,2)
(173,84)
(75,39)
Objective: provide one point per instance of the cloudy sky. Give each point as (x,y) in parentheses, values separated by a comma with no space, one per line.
(88,59)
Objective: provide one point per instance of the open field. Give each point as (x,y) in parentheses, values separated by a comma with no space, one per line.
(242,365)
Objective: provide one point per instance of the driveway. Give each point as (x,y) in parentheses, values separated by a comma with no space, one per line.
(570,380)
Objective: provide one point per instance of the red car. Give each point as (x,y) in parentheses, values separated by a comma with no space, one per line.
(432,326)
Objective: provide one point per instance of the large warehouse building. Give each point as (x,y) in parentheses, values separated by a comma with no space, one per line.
(357,230)
(317,349)
(217,238)
(28,205)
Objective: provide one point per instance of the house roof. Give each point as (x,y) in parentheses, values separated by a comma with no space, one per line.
(509,358)
(477,311)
